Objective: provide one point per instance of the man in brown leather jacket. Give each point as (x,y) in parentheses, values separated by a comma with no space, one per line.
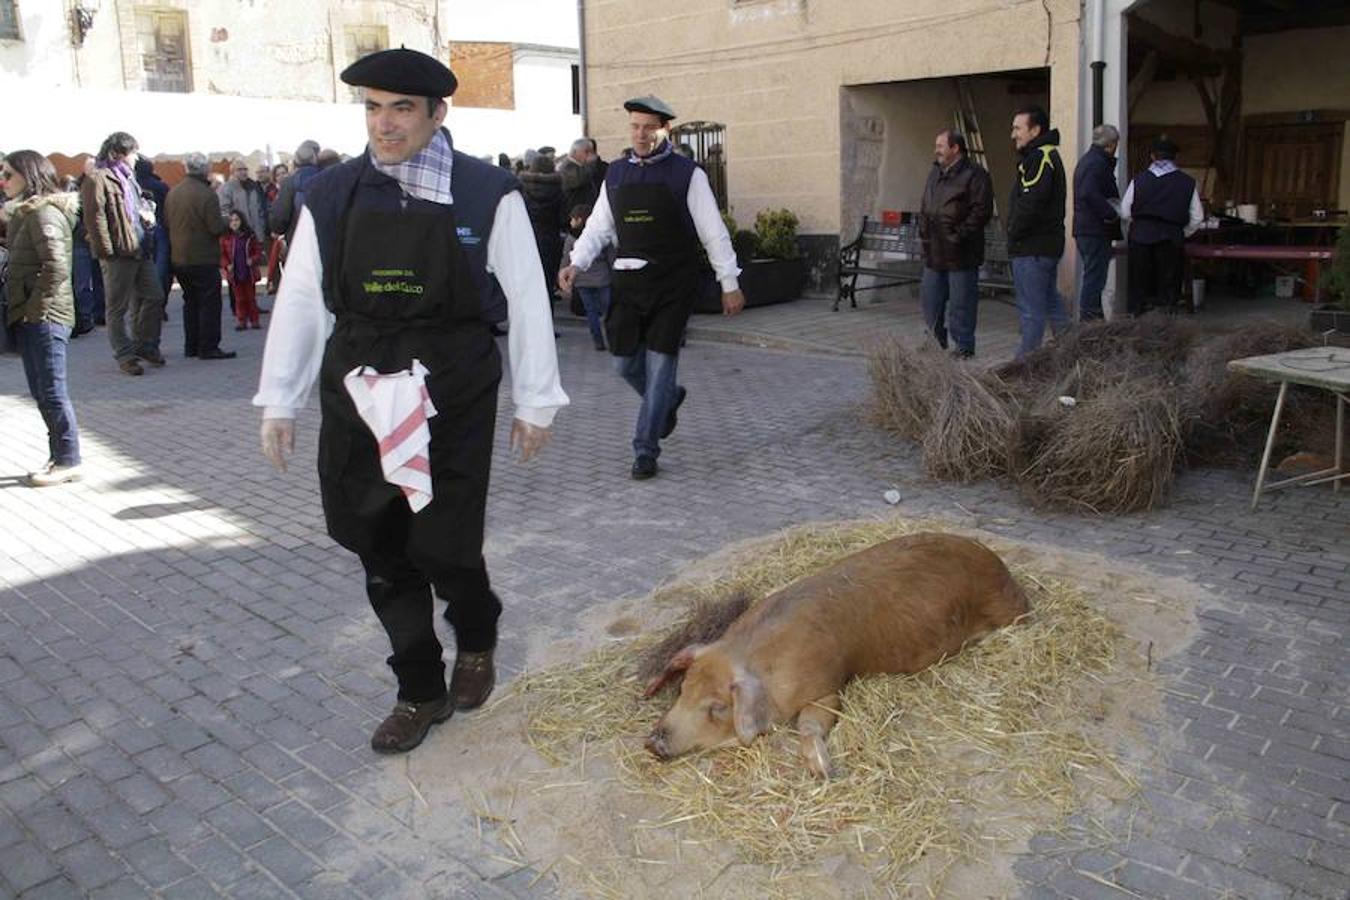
(957,205)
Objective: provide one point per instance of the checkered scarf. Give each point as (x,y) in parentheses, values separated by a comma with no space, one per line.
(427,174)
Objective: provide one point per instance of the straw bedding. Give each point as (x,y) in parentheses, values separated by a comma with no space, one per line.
(930,769)
(1102,418)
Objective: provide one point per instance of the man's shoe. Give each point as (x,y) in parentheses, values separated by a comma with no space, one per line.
(406,727)
(54,474)
(472,679)
(217,354)
(190,353)
(644,467)
(672,419)
(131,367)
(153,357)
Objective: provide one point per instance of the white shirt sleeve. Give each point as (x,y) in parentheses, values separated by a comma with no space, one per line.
(513,257)
(1127,202)
(712,231)
(299,328)
(1197,214)
(598,233)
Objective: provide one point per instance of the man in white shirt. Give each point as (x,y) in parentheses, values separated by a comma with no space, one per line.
(657,208)
(400,262)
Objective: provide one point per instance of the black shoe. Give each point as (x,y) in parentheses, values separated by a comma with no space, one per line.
(600,344)
(644,467)
(190,353)
(672,418)
(84,326)
(406,727)
(217,354)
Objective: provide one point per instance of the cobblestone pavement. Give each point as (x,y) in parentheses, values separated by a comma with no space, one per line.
(189,671)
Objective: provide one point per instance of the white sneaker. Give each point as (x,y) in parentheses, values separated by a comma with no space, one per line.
(52,474)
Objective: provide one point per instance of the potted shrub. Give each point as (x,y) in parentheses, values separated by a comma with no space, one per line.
(775,271)
(1335,315)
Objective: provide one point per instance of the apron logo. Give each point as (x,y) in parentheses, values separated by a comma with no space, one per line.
(397,286)
(638,216)
(466,235)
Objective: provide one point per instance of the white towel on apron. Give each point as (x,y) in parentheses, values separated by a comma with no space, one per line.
(395,407)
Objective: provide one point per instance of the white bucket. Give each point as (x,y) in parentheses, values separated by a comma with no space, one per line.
(1197,293)
(1284,286)
(1247,212)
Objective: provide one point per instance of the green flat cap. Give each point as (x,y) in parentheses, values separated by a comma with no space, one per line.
(650,104)
(402,71)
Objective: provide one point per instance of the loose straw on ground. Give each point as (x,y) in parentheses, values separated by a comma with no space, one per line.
(982,750)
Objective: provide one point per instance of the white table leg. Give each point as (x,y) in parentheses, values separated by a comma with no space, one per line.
(1270,443)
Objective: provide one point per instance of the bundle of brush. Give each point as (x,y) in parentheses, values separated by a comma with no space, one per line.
(1227,415)
(1113,451)
(905,386)
(970,426)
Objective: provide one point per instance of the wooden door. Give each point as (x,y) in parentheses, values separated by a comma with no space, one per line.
(1291,170)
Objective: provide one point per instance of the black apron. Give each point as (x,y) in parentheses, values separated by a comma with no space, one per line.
(401,291)
(651,305)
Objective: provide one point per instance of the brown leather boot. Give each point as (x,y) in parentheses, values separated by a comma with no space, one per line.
(473,679)
(405,727)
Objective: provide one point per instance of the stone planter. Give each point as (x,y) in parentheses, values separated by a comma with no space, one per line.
(763,281)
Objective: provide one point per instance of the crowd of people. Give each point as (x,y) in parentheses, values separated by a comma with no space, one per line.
(1161,207)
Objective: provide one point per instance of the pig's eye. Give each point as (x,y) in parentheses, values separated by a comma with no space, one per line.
(717,710)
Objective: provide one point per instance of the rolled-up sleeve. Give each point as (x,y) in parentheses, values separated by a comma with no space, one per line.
(536,390)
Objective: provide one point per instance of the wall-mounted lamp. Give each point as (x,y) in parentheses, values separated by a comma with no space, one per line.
(82,20)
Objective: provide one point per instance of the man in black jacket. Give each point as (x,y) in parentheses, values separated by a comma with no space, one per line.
(1036,227)
(957,205)
(1096,216)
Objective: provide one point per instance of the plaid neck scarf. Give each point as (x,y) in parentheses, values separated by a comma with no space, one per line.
(427,174)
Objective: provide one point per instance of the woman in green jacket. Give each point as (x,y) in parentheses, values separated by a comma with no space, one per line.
(41,304)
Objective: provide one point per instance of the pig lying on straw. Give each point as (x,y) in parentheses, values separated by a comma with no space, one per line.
(897,607)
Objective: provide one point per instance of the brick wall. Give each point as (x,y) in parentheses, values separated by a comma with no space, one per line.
(485,73)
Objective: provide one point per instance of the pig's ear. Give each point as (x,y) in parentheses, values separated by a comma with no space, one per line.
(751,704)
(678,664)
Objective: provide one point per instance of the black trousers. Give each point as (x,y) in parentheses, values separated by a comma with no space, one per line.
(201,308)
(400,594)
(1155,276)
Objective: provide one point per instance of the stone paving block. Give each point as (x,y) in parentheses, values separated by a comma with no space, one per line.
(117,826)
(240,824)
(54,826)
(1311,879)
(90,865)
(155,863)
(194,888)
(287,862)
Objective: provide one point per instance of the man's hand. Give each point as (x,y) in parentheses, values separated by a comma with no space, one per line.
(732,302)
(278,441)
(566,277)
(529,438)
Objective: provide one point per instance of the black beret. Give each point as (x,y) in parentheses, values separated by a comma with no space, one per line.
(402,71)
(651,104)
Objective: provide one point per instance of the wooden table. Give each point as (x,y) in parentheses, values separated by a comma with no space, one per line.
(1327,368)
(1312,258)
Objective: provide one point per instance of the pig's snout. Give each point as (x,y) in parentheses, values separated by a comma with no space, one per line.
(658,743)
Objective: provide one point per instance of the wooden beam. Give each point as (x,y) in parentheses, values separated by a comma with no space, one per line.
(1270,23)
(1191,57)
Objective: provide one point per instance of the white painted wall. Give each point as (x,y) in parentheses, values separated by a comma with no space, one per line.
(552,23)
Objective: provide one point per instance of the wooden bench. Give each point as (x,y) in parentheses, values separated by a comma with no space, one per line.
(895,257)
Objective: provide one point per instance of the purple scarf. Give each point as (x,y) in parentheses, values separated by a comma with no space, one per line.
(131,192)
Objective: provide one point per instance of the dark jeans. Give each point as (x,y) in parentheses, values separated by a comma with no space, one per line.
(400,594)
(950,302)
(595,300)
(87,280)
(652,375)
(1155,276)
(43,346)
(1038,300)
(1095,252)
(201,308)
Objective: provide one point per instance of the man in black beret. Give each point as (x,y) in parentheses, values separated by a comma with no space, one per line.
(1162,206)
(658,209)
(401,261)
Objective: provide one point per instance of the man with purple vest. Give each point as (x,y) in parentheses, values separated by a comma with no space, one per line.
(1162,206)
(658,209)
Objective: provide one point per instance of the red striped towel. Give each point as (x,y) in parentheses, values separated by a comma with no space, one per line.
(395,407)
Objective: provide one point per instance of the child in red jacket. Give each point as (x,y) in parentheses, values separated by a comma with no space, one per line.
(240,258)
